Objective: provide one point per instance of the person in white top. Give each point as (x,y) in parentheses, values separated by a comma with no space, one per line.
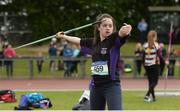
(151,61)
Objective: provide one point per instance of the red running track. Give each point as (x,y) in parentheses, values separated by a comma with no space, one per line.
(78,85)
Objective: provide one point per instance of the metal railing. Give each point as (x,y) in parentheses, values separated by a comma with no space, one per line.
(28,64)
(24,67)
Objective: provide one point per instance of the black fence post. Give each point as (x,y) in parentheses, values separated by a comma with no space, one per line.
(31,69)
(135,67)
(83,68)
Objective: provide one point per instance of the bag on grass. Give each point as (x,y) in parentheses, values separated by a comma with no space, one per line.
(84,103)
(7,96)
(33,100)
(127,68)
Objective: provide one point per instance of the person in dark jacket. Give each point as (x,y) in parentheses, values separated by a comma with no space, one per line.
(105,51)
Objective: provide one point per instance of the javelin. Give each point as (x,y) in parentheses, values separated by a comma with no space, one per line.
(66,32)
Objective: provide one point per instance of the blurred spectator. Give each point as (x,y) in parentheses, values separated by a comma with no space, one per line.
(68,53)
(139,54)
(1,45)
(60,47)
(176,35)
(52,54)
(142,28)
(40,62)
(121,65)
(1,50)
(85,52)
(53,41)
(9,53)
(60,65)
(178,53)
(162,61)
(76,53)
(172,62)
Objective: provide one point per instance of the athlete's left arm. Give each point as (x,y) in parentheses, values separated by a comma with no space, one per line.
(125,31)
(159,53)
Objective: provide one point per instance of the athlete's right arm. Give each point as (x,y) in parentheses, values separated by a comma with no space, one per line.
(125,30)
(71,39)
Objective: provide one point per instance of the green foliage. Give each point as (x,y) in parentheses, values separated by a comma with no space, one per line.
(46,17)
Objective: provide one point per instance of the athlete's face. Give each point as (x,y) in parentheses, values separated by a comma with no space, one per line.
(106,27)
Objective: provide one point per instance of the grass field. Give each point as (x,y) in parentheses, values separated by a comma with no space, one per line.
(132,100)
(21,67)
(127,49)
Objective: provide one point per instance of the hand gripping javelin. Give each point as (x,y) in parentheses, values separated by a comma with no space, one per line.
(66,32)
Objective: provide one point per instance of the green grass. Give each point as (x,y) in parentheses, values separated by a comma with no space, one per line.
(60,100)
(132,100)
(126,50)
(21,67)
(129,47)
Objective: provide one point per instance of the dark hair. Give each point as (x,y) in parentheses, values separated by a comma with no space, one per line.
(96,31)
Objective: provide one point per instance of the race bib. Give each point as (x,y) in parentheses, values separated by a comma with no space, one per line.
(99,68)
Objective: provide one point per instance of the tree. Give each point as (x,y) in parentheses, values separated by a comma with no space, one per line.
(46,17)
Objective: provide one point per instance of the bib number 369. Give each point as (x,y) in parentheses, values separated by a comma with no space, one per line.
(99,68)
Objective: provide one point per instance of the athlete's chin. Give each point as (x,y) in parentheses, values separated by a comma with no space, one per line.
(107,35)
